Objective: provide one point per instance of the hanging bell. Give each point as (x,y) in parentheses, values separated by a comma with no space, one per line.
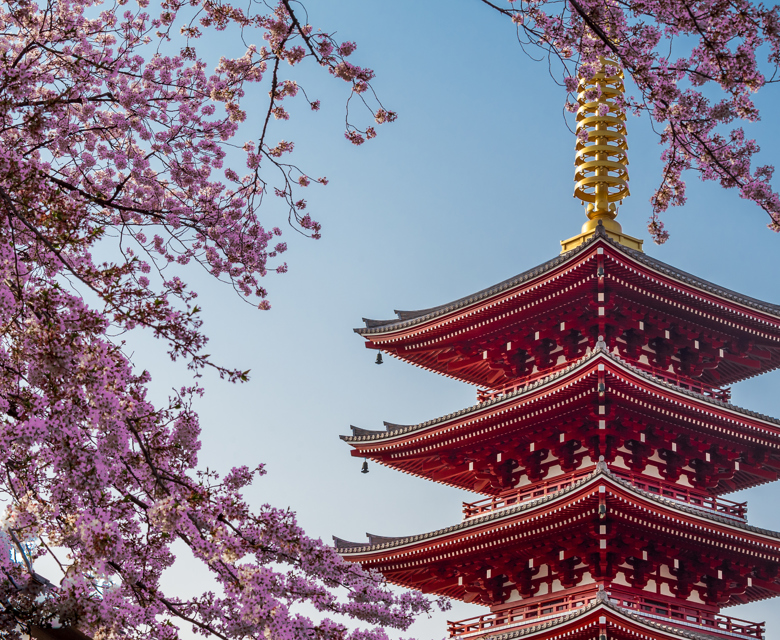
(365,467)
(378,358)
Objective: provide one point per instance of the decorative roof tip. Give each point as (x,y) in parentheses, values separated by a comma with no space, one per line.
(370,324)
(390,426)
(357,431)
(601,157)
(340,543)
(375,539)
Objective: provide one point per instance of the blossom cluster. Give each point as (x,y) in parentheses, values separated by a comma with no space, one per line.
(113,143)
(680,56)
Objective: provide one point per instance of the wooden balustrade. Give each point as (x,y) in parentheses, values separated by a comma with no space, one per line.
(662,489)
(682,494)
(523,615)
(523,494)
(697,386)
(690,616)
(518,616)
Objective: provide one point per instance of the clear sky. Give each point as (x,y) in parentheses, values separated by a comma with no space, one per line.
(472,185)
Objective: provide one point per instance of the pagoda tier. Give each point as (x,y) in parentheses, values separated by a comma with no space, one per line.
(678,441)
(698,334)
(599,531)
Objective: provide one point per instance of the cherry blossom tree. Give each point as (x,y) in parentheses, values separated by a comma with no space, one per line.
(117,139)
(695,64)
(125,161)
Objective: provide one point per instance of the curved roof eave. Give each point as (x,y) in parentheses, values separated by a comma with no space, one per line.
(410,318)
(601,470)
(407,319)
(365,435)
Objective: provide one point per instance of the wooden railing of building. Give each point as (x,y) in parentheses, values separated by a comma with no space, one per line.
(523,615)
(718,393)
(721,506)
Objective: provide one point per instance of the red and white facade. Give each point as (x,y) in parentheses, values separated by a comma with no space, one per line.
(600,449)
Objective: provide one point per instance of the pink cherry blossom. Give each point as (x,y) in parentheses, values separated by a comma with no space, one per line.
(108,135)
(732,51)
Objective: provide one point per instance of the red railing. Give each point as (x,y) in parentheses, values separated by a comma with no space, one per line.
(663,489)
(530,492)
(682,494)
(483,395)
(723,394)
(690,616)
(523,615)
(518,616)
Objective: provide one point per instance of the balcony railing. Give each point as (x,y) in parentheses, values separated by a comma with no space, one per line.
(721,506)
(518,616)
(690,617)
(718,393)
(728,508)
(524,615)
(530,492)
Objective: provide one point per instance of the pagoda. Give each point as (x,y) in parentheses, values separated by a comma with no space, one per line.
(602,442)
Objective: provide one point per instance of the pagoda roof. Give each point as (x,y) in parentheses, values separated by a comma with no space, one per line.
(395,430)
(441,448)
(407,319)
(448,561)
(542,319)
(387,543)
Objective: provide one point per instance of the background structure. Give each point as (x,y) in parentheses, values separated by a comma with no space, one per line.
(471,186)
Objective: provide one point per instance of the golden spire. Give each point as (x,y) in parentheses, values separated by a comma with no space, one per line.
(601,161)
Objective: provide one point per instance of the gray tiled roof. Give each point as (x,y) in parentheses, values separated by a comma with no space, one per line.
(683,276)
(365,435)
(345,546)
(410,318)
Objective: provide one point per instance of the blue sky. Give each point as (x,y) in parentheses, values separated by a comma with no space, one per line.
(472,185)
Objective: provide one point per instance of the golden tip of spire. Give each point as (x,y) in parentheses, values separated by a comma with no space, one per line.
(601,159)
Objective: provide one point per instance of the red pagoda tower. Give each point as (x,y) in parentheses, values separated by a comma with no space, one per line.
(602,441)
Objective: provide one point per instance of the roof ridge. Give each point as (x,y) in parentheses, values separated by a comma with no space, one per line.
(689,392)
